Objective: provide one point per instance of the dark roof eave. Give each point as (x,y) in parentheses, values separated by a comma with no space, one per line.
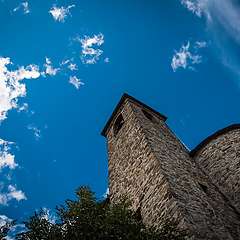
(125,96)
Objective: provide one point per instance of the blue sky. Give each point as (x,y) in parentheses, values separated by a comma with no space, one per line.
(65,64)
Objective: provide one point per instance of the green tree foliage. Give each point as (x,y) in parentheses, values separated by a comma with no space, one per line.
(89,219)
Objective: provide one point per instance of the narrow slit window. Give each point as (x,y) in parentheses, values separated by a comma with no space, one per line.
(138,214)
(118,124)
(203,187)
(148,115)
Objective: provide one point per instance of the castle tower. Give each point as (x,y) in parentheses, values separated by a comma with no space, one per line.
(150,165)
(219,155)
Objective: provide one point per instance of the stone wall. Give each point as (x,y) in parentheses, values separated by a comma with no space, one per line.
(134,171)
(150,165)
(204,208)
(221,160)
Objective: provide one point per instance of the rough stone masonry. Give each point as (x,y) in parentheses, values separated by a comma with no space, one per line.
(148,163)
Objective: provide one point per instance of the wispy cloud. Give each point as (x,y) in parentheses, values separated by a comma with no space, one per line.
(23,107)
(73,67)
(12,194)
(186,57)
(91,53)
(107,60)
(35,130)
(226,13)
(60,13)
(70,64)
(200,44)
(222,18)
(16,194)
(65,62)
(4,220)
(49,69)
(76,82)
(194,6)
(14,230)
(23,6)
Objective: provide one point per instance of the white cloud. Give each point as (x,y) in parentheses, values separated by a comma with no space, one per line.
(70,64)
(24,6)
(200,44)
(60,13)
(12,194)
(49,69)
(107,60)
(184,58)
(36,131)
(76,82)
(26,9)
(16,194)
(6,158)
(73,67)
(4,220)
(31,71)
(11,87)
(88,42)
(48,215)
(3,199)
(194,6)
(23,108)
(65,62)
(90,54)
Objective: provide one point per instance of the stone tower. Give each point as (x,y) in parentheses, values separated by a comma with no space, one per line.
(150,165)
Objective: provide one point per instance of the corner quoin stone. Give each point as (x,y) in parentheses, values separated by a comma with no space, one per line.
(151,166)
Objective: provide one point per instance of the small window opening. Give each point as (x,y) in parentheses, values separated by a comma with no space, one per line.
(118,124)
(147,115)
(138,214)
(203,187)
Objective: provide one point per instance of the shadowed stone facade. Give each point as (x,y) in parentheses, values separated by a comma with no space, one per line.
(150,165)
